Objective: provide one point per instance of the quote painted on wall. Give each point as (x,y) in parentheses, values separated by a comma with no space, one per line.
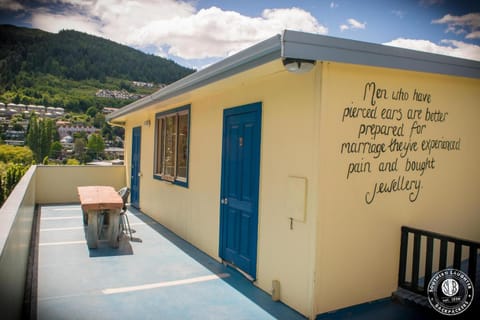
(393,138)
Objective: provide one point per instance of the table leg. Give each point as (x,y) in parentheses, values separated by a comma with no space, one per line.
(85,217)
(113,227)
(92,230)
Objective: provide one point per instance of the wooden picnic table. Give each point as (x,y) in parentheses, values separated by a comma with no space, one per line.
(96,200)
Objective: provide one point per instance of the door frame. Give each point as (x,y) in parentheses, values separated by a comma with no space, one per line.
(135,170)
(257,108)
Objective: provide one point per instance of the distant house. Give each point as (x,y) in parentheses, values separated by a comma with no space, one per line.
(299,159)
(14,137)
(60,123)
(116,94)
(66,140)
(108,110)
(39,110)
(70,130)
(143,84)
(114,152)
(13,108)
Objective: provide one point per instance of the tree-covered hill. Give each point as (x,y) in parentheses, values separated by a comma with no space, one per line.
(76,64)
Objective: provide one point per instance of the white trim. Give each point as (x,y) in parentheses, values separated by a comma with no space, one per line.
(166,284)
(61,243)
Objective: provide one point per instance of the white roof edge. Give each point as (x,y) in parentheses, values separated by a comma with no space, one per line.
(324,48)
(301,45)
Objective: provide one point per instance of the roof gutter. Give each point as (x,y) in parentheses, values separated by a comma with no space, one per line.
(307,46)
(117,123)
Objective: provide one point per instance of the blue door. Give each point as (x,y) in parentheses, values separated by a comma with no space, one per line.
(240,185)
(135,178)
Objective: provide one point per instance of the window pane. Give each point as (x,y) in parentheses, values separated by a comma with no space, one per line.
(159,146)
(170,145)
(171,149)
(182,159)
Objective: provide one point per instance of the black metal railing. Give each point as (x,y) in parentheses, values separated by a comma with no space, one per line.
(438,246)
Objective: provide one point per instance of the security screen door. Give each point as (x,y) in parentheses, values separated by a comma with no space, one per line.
(240,186)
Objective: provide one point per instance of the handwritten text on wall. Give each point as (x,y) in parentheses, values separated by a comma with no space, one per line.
(392,138)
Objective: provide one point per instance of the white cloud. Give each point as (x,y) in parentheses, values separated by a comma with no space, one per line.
(356,24)
(353,24)
(468,24)
(473,35)
(399,13)
(175,27)
(214,32)
(429,3)
(11,5)
(448,47)
(333,5)
(54,22)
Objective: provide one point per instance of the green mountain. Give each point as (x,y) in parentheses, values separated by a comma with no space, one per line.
(67,68)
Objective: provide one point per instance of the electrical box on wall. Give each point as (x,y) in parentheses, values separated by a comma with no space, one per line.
(297,198)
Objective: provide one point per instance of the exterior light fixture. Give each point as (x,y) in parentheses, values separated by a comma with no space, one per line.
(298,65)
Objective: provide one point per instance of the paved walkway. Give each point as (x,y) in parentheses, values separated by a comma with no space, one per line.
(155,276)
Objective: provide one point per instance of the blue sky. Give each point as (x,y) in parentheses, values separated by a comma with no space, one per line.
(197,33)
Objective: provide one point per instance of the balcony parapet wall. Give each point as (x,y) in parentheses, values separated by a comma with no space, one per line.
(58,184)
(39,185)
(16,218)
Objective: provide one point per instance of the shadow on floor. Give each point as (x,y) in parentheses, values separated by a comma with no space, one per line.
(235,280)
(105,250)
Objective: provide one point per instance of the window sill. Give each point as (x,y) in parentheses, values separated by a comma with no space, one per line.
(171,180)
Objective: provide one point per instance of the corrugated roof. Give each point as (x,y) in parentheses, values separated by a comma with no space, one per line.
(300,45)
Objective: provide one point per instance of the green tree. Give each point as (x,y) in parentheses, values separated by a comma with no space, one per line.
(95,145)
(46,137)
(107,131)
(55,150)
(79,149)
(40,137)
(99,120)
(2,191)
(9,178)
(17,127)
(72,162)
(80,135)
(33,137)
(15,154)
(125,85)
(92,111)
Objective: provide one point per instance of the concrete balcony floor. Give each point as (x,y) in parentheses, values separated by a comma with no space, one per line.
(154,276)
(157,275)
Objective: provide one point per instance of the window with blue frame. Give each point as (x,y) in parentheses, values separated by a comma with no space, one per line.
(172,130)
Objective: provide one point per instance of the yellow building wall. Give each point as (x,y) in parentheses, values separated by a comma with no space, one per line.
(285,247)
(360,215)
